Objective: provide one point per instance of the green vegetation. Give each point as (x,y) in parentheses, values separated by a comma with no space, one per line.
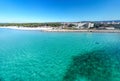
(71,25)
(31,24)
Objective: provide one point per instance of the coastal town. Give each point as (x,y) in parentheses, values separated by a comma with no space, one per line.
(96,26)
(108,25)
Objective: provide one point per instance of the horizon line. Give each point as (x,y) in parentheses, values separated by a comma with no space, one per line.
(64,21)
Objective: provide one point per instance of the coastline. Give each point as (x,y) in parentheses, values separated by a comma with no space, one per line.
(50,29)
(99,31)
(28,28)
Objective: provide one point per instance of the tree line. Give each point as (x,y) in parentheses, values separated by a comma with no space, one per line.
(31,24)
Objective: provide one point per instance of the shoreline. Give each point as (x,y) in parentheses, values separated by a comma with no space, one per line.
(28,28)
(97,31)
(50,29)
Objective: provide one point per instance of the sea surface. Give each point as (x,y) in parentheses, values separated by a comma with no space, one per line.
(59,56)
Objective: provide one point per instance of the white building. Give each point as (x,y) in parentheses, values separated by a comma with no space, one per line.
(80,25)
(90,25)
(110,28)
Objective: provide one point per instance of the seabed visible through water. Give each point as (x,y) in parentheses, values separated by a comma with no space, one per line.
(59,56)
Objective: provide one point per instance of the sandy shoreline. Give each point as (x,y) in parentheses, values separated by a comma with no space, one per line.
(28,28)
(107,31)
(50,29)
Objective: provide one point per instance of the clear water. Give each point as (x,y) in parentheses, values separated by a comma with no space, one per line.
(59,56)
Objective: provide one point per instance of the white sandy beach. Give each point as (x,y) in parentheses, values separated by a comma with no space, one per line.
(28,28)
(50,29)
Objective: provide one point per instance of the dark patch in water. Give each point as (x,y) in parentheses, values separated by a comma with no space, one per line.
(94,66)
(15,79)
(1,79)
(96,42)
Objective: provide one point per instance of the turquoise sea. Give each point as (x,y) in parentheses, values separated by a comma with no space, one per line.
(59,56)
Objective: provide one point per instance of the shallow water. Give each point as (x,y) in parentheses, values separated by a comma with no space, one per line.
(59,56)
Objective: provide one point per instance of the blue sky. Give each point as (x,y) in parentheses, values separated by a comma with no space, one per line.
(58,10)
